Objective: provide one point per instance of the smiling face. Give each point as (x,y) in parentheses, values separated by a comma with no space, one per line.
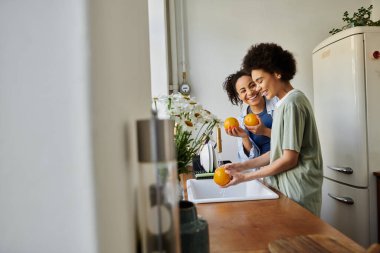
(268,85)
(247,92)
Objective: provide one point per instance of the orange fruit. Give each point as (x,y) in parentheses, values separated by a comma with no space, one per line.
(231,122)
(251,120)
(221,177)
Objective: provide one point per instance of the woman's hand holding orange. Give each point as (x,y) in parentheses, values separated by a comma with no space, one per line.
(234,170)
(236,179)
(259,129)
(237,132)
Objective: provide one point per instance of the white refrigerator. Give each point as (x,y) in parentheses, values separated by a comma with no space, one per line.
(346,75)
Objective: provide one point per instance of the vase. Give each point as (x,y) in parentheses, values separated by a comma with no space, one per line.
(194,230)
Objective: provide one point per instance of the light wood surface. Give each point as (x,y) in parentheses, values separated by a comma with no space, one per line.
(249,226)
(310,243)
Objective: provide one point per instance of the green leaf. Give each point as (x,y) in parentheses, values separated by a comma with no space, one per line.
(360,18)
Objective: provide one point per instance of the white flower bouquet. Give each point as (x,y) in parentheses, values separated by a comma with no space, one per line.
(193,125)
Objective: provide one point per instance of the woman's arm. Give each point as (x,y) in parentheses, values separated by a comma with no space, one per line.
(247,145)
(267,132)
(287,161)
(232,168)
(240,132)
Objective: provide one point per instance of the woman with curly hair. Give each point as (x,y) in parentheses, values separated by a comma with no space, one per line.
(294,163)
(253,141)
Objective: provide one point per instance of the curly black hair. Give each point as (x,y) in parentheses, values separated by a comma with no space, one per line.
(271,58)
(229,85)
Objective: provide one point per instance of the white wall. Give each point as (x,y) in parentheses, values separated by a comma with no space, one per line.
(121,95)
(376,10)
(219,32)
(67,119)
(46,187)
(158,44)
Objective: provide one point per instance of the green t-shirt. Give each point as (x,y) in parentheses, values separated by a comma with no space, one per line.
(294,128)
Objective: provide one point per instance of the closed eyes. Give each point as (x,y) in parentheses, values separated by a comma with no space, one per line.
(259,80)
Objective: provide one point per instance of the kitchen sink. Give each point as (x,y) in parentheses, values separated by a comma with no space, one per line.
(206,191)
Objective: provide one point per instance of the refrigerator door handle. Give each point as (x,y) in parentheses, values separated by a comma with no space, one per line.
(344,170)
(345,200)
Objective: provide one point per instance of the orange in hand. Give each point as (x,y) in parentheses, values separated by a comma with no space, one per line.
(221,177)
(251,119)
(231,122)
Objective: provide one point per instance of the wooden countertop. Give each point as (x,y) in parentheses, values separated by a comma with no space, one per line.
(249,226)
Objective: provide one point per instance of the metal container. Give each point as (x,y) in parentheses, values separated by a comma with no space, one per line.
(158,201)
